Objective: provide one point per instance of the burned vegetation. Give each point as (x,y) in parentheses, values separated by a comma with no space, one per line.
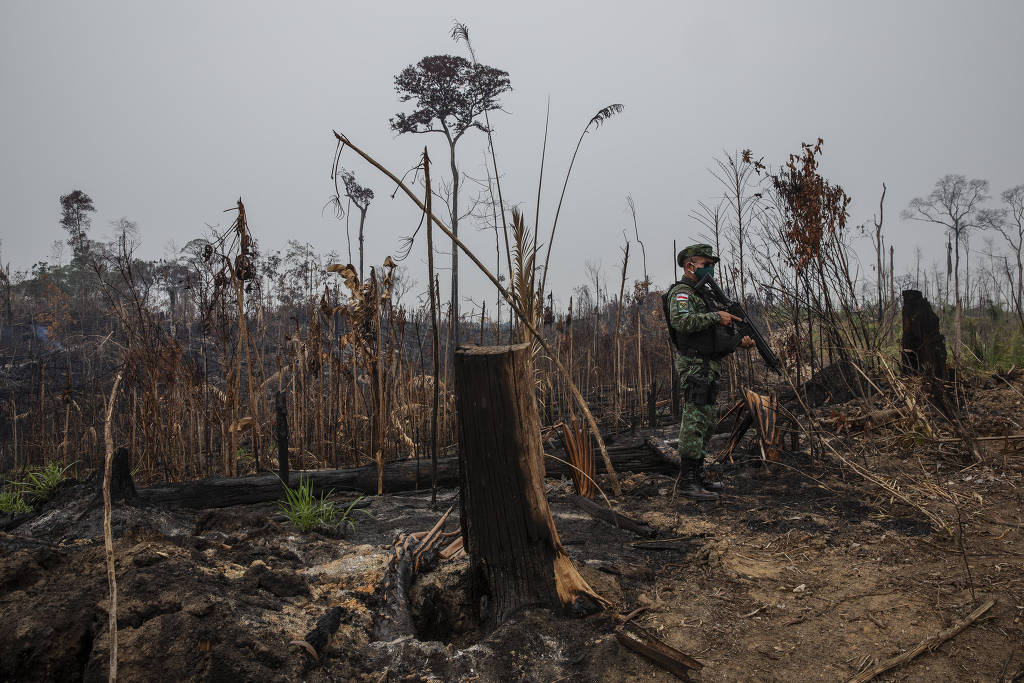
(242,465)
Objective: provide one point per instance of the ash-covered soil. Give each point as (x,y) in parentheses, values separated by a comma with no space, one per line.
(800,573)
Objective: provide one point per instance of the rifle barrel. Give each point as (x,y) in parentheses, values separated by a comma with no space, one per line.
(734,307)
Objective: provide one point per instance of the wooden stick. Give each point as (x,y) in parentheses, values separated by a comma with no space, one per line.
(642,641)
(928,644)
(1004,438)
(452,548)
(108,539)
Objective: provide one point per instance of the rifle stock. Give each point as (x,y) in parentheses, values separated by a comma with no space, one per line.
(746,327)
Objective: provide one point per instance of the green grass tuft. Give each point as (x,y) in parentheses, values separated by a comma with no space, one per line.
(306,512)
(12,502)
(40,483)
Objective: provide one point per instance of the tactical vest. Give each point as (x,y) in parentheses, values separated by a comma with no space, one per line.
(712,343)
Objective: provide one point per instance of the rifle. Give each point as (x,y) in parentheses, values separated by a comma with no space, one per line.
(745,327)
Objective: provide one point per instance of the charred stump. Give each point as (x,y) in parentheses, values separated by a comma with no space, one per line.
(924,351)
(516,557)
(924,347)
(281,434)
(122,488)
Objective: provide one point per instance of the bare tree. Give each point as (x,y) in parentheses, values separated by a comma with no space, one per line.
(878,240)
(712,218)
(954,203)
(737,174)
(1010,223)
(636,231)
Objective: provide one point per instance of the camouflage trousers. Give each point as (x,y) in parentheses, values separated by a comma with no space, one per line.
(697,422)
(695,430)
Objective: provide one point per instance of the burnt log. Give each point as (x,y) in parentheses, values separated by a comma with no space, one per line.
(516,558)
(218,492)
(617,519)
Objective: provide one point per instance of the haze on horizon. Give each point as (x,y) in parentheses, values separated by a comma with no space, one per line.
(166,114)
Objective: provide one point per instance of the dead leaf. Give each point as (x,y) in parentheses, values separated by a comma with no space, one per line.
(242,423)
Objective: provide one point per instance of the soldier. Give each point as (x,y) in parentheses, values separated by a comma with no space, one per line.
(702,335)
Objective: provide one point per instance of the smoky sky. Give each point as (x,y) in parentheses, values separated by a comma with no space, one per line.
(166,113)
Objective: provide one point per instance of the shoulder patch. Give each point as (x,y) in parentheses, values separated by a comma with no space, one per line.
(682,301)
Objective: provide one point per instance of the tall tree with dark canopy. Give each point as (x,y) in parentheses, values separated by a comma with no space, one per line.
(75,208)
(956,204)
(450,94)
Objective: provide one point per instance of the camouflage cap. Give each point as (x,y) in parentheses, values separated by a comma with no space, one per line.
(704,250)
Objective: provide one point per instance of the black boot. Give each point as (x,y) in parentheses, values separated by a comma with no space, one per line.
(689,482)
(708,484)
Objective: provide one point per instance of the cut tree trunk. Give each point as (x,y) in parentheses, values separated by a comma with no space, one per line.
(516,558)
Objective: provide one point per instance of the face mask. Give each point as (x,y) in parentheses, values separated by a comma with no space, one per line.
(707,270)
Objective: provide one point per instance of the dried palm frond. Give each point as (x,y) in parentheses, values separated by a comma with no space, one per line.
(243,423)
(349,276)
(460,32)
(603,115)
(524,256)
(580,451)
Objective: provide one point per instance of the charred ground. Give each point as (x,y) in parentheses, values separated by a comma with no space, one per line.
(803,571)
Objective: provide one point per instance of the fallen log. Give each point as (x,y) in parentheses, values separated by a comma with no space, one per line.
(604,514)
(666,449)
(401,475)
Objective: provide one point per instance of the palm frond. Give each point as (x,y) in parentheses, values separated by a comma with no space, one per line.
(604,114)
(524,257)
(460,32)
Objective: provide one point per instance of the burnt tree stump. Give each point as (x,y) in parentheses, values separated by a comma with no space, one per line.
(924,347)
(516,558)
(924,351)
(122,487)
(281,433)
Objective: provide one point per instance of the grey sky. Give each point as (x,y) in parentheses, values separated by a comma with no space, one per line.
(167,112)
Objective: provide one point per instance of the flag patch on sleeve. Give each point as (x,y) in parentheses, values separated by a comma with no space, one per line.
(682,300)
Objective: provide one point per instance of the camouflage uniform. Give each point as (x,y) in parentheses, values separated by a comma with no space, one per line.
(688,314)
